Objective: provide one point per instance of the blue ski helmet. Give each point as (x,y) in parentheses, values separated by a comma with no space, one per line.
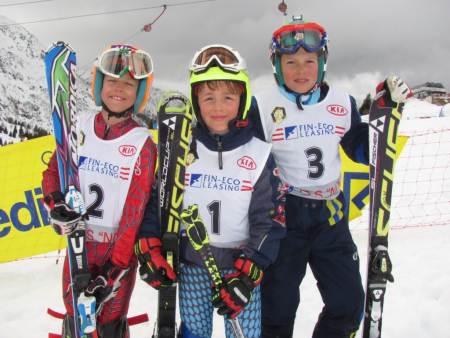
(289,38)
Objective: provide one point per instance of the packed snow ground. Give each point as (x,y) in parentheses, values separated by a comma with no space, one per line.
(417,303)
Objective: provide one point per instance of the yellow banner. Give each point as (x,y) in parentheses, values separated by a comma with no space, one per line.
(355,182)
(24,227)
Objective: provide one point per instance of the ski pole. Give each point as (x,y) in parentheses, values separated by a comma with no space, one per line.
(198,237)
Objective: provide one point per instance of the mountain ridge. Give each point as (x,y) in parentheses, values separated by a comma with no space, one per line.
(24,104)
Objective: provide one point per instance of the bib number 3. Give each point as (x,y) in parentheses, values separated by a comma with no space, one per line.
(316,168)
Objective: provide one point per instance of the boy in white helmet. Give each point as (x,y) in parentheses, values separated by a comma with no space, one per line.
(116,160)
(233,180)
(306,120)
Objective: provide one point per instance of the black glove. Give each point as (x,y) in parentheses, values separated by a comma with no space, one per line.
(154,269)
(63,219)
(106,286)
(237,288)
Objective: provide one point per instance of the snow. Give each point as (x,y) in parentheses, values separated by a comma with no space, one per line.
(416,304)
(416,108)
(446,110)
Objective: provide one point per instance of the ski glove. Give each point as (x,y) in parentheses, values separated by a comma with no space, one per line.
(63,219)
(396,91)
(106,286)
(237,288)
(154,269)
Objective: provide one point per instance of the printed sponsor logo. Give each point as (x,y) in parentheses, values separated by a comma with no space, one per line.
(278,135)
(104,168)
(127,150)
(337,109)
(302,131)
(338,130)
(24,215)
(216,182)
(278,114)
(286,133)
(326,193)
(291,132)
(246,162)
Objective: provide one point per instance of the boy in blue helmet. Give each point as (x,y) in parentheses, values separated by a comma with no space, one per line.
(116,164)
(232,178)
(306,120)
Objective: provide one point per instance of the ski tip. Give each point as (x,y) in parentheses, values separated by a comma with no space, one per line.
(174,102)
(59,45)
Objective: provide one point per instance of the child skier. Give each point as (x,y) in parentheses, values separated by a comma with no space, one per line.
(306,120)
(116,161)
(234,181)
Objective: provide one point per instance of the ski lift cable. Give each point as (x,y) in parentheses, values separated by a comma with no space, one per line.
(146,28)
(105,13)
(24,3)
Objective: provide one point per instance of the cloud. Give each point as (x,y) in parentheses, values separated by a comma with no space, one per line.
(408,38)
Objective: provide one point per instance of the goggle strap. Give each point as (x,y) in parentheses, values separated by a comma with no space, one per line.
(299,27)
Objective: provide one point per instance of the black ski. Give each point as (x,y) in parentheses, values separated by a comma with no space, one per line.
(199,239)
(174,134)
(383,132)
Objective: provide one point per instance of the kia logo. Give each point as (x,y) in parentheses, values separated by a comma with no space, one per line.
(247,163)
(337,110)
(127,150)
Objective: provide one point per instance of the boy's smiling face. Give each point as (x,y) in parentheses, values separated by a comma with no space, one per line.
(218,107)
(119,94)
(300,70)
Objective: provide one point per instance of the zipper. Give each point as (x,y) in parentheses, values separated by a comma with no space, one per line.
(219,151)
(106,132)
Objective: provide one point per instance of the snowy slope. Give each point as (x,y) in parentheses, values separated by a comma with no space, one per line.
(22,84)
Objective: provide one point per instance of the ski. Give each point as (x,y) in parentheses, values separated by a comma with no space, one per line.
(60,66)
(383,132)
(174,134)
(198,237)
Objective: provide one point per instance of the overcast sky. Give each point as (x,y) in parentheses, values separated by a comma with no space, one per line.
(368,39)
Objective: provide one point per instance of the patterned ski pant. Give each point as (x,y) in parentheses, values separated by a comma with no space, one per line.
(117,307)
(196,309)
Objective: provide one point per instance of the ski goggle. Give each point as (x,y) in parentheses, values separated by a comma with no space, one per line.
(121,59)
(217,55)
(288,39)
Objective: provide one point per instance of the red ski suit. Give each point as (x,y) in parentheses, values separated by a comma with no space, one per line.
(121,249)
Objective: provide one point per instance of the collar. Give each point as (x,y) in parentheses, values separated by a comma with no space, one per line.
(229,141)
